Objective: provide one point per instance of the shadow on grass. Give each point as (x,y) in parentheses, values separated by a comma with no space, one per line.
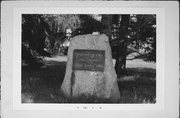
(139,86)
(40,85)
(142,72)
(43,86)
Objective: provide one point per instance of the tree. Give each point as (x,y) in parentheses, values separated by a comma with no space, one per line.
(118,30)
(34,32)
(121,50)
(44,31)
(131,35)
(143,36)
(88,25)
(59,23)
(107,22)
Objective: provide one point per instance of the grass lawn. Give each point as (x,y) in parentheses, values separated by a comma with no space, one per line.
(43,85)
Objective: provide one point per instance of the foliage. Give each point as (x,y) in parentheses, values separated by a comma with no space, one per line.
(88,25)
(45,31)
(34,32)
(143,36)
(58,24)
(140,37)
(48,31)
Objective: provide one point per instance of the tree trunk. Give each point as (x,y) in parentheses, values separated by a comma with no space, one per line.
(121,48)
(107,22)
(120,65)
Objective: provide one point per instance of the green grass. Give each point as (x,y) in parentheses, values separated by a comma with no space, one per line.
(43,85)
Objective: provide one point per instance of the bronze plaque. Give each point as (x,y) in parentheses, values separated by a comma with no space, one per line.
(91,60)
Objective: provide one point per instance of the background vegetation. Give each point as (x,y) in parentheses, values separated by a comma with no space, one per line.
(135,35)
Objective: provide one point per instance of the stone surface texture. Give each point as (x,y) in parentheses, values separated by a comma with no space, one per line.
(91,83)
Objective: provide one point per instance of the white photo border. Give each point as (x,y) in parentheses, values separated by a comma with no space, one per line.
(160,71)
(167,31)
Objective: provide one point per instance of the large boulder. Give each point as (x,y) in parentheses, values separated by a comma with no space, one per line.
(95,78)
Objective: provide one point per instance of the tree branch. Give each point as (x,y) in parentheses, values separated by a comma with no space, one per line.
(140,55)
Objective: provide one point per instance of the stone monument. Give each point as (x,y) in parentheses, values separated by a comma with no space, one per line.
(89,69)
